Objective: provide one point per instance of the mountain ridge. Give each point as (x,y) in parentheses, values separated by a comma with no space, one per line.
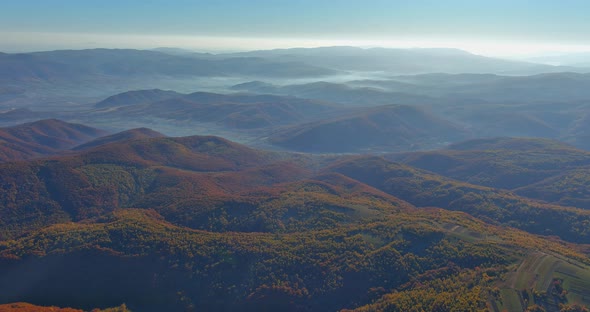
(42,138)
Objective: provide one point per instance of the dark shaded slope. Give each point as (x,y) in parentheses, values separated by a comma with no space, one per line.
(52,133)
(342,93)
(384,128)
(44,137)
(500,162)
(424,189)
(570,188)
(136,97)
(235,111)
(153,265)
(19,114)
(24,68)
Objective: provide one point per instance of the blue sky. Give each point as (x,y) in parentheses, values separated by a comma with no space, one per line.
(218,23)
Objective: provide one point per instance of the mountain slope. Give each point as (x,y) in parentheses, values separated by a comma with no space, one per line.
(78,186)
(569,188)
(393,127)
(506,163)
(191,181)
(338,268)
(44,137)
(237,111)
(202,223)
(347,94)
(133,134)
(19,114)
(425,189)
(136,97)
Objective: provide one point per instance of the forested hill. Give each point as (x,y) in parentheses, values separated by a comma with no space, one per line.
(203,223)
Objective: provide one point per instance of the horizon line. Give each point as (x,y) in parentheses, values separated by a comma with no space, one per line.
(17,42)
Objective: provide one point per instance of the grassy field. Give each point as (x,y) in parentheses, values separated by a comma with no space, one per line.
(510,300)
(576,280)
(536,274)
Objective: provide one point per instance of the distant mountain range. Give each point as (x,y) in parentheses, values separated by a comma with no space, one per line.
(438,89)
(48,80)
(402,61)
(579,59)
(520,109)
(342,93)
(71,65)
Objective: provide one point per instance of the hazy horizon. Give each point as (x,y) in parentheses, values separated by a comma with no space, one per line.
(33,42)
(508,29)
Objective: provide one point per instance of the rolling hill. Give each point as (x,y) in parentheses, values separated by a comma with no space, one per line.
(425,189)
(346,94)
(202,223)
(132,134)
(136,256)
(19,114)
(234,111)
(392,127)
(506,163)
(137,97)
(44,137)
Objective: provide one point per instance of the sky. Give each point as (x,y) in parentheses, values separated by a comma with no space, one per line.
(487,27)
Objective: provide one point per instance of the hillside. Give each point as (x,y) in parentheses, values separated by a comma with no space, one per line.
(136,97)
(133,134)
(393,127)
(203,223)
(26,68)
(569,188)
(44,137)
(506,163)
(19,114)
(339,268)
(541,169)
(191,181)
(425,189)
(347,94)
(234,111)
